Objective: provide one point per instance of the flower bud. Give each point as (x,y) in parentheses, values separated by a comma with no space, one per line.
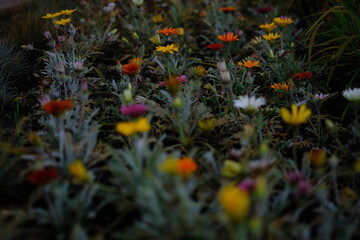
(231,168)
(225,76)
(128,95)
(179,31)
(138,3)
(177,103)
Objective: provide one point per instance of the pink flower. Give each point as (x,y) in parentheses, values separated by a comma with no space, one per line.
(303,188)
(134,110)
(247,185)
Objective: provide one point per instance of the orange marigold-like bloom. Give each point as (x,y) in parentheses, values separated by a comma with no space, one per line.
(302,75)
(57,107)
(227,9)
(167,31)
(228,37)
(130,69)
(280,86)
(249,64)
(187,166)
(137,60)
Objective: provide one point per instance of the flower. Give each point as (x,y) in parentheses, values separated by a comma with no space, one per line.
(249,64)
(57,107)
(227,9)
(109,7)
(50,16)
(155,39)
(130,69)
(167,31)
(131,128)
(249,104)
(157,18)
(294,177)
(78,65)
(63,21)
(215,46)
(228,37)
(134,110)
(320,96)
(247,185)
(280,86)
(200,71)
(187,166)
(302,75)
(78,171)
(67,11)
(297,115)
(43,176)
(207,125)
(352,95)
(271,37)
(267,27)
(264,10)
(183,167)
(234,202)
(256,40)
(179,31)
(282,21)
(231,168)
(173,84)
(167,49)
(317,157)
(137,60)
(303,188)
(138,3)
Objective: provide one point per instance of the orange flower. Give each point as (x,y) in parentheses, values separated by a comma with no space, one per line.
(227,9)
(186,167)
(280,86)
(57,107)
(228,37)
(167,31)
(302,75)
(249,64)
(137,60)
(130,69)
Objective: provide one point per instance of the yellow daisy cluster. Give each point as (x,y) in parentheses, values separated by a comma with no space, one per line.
(62,21)
(269,27)
(131,128)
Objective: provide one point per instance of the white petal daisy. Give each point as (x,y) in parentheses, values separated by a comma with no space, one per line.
(352,95)
(249,104)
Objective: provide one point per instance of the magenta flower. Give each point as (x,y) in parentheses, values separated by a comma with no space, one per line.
(134,110)
(264,10)
(247,185)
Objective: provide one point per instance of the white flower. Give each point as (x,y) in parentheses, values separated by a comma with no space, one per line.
(352,95)
(249,104)
(109,7)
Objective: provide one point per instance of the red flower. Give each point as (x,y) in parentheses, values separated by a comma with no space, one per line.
(43,176)
(215,46)
(227,9)
(130,69)
(57,107)
(264,10)
(302,75)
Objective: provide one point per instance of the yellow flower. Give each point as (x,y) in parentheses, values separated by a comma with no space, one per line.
(179,31)
(167,49)
(63,21)
(157,18)
(297,115)
(235,202)
(78,171)
(249,64)
(207,125)
(267,27)
(231,169)
(155,39)
(200,71)
(131,128)
(67,11)
(170,166)
(50,16)
(271,37)
(282,21)
(256,40)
